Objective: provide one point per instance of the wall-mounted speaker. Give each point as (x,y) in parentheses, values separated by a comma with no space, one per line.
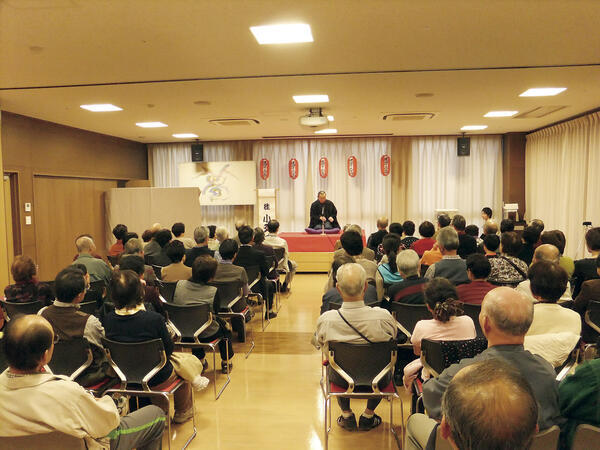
(463,146)
(197,152)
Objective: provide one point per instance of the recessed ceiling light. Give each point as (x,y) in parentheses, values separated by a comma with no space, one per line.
(330,118)
(318,98)
(283,33)
(101,107)
(185,135)
(326,131)
(542,92)
(151,124)
(473,127)
(500,114)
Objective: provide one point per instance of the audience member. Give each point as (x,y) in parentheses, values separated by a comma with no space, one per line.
(410,290)
(135,247)
(27,288)
(366,252)
(96,268)
(396,228)
(239,223)
(287,265)
(130,322)
(221,234)
(178,230)
(544,252)
(507,225)
(467,245)
(489,228)
(443,221)
(408,230)
(177,270)
(196,291)
(162,238)
(507,268)
(505,318)
(35,401)
(566,262)
(388,270)
(69,322)
(486,214)
(147,236)
(459,224)
(472,230)
(555,330)
(213,244)
(490,245)
(537,223)
(152,248)
(128,236)
(448,324)
(151,294)
(590,291)
(451,266)
(200,248)
(585,269)
(426,230)
(478,269)
(530,238)
(259,244)
(118,232)
(376,238)
(375,324)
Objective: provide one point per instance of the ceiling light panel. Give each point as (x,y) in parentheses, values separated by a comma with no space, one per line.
(326,131)
(500,113)
(151,124)
(185,135)
(542,92)
(101,107)
(473,127)
(314,98)
(291,33)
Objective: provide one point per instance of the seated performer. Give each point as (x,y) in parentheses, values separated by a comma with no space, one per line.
(323,214)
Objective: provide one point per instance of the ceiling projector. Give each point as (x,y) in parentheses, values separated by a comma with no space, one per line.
(314,118)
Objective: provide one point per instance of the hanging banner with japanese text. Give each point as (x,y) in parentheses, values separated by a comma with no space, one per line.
(293,168)
(352,166)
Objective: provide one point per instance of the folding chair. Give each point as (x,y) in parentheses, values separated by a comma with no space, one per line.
(592,316)
(89,308)
(96,293)
(167,290)
(188,322)
(585,435)
(113,260)
(135,364)
(473,312)
(275,284)
(48,441)
(547,439)
(407,315)
(13,309)
(254,276)
(157,271)
(363,367)
(230,294)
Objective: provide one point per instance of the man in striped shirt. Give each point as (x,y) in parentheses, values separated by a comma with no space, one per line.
(478,269)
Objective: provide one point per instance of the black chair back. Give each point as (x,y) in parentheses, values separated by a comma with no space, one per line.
(71,357)
(3,361)
(407,315)
(167,290)
(14,310)
(89,308)
(113,260)
(135,362)
(96,293)
(334,306)
(423,270)
(473,312)
(226,292)
(157,271)
(253,273)
(440,355)
(363,362)
(189,319)
(279,254)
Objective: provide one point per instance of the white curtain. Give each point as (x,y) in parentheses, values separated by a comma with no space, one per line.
(291,194)
(439,179)
(561,182)
(165,162)
(360,199)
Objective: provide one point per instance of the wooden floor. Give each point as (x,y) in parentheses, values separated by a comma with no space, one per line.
(274,399)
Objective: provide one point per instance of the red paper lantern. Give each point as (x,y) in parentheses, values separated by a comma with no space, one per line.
(323,167)
(352,166)
(386,165)
(265,168)
(293,168)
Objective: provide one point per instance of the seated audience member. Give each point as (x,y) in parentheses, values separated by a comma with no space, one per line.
(388,270)
(505,318)
(478,269)
(177,270)
(130,322)
(555,330)
(396,228)
(119,232)
(489,228)
(147,236)
(538,223)
(239,223)
(490,245)
(376,324)
(201,247)
(506,225)
(220,235)
(96,268)
(585,269)
(579,400)
(426,230)
(472,230)
(486,214)
(178,230)
(259,244)
(287,265)
(451,266)
(162,238)
(135,247)
(27,288)
(544,252)
(590,291)
(366,253)
(410,290)
(487,405)
(127,236)
(333,296)
(376,238)
(408,231)
(557,238)
(213,244)
(248,257)
(69,322)
(459,223)
(530,238)
(447,324)
(196,291)
(467,245)
(35,401)
(152,248)
(507,268)
(152,301)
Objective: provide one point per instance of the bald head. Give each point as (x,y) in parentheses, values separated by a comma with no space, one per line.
(489,404)
(351,279)
(26,340)
(508,312)
(547,252)
(85,244)
(155,228)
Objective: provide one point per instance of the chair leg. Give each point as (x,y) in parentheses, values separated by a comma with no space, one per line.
(326,428)
(214,350)
(194,431)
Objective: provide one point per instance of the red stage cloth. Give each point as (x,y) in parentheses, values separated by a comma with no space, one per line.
(304,242)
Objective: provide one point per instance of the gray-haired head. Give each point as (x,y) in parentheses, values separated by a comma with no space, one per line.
(85,244)
(408,263)
(133,246)
(221,234)
(351,279)
(509,311)
(447,239)
(200,234)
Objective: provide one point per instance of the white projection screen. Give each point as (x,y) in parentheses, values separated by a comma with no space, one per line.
(221,182)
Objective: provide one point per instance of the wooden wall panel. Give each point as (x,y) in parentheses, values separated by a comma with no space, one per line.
(57,224)
(513,170)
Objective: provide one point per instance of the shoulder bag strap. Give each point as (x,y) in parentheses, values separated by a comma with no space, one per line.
(357,332)
(523,274)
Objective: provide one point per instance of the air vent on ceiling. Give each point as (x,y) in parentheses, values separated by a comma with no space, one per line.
(234,122)
(540,111)
(408,116)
